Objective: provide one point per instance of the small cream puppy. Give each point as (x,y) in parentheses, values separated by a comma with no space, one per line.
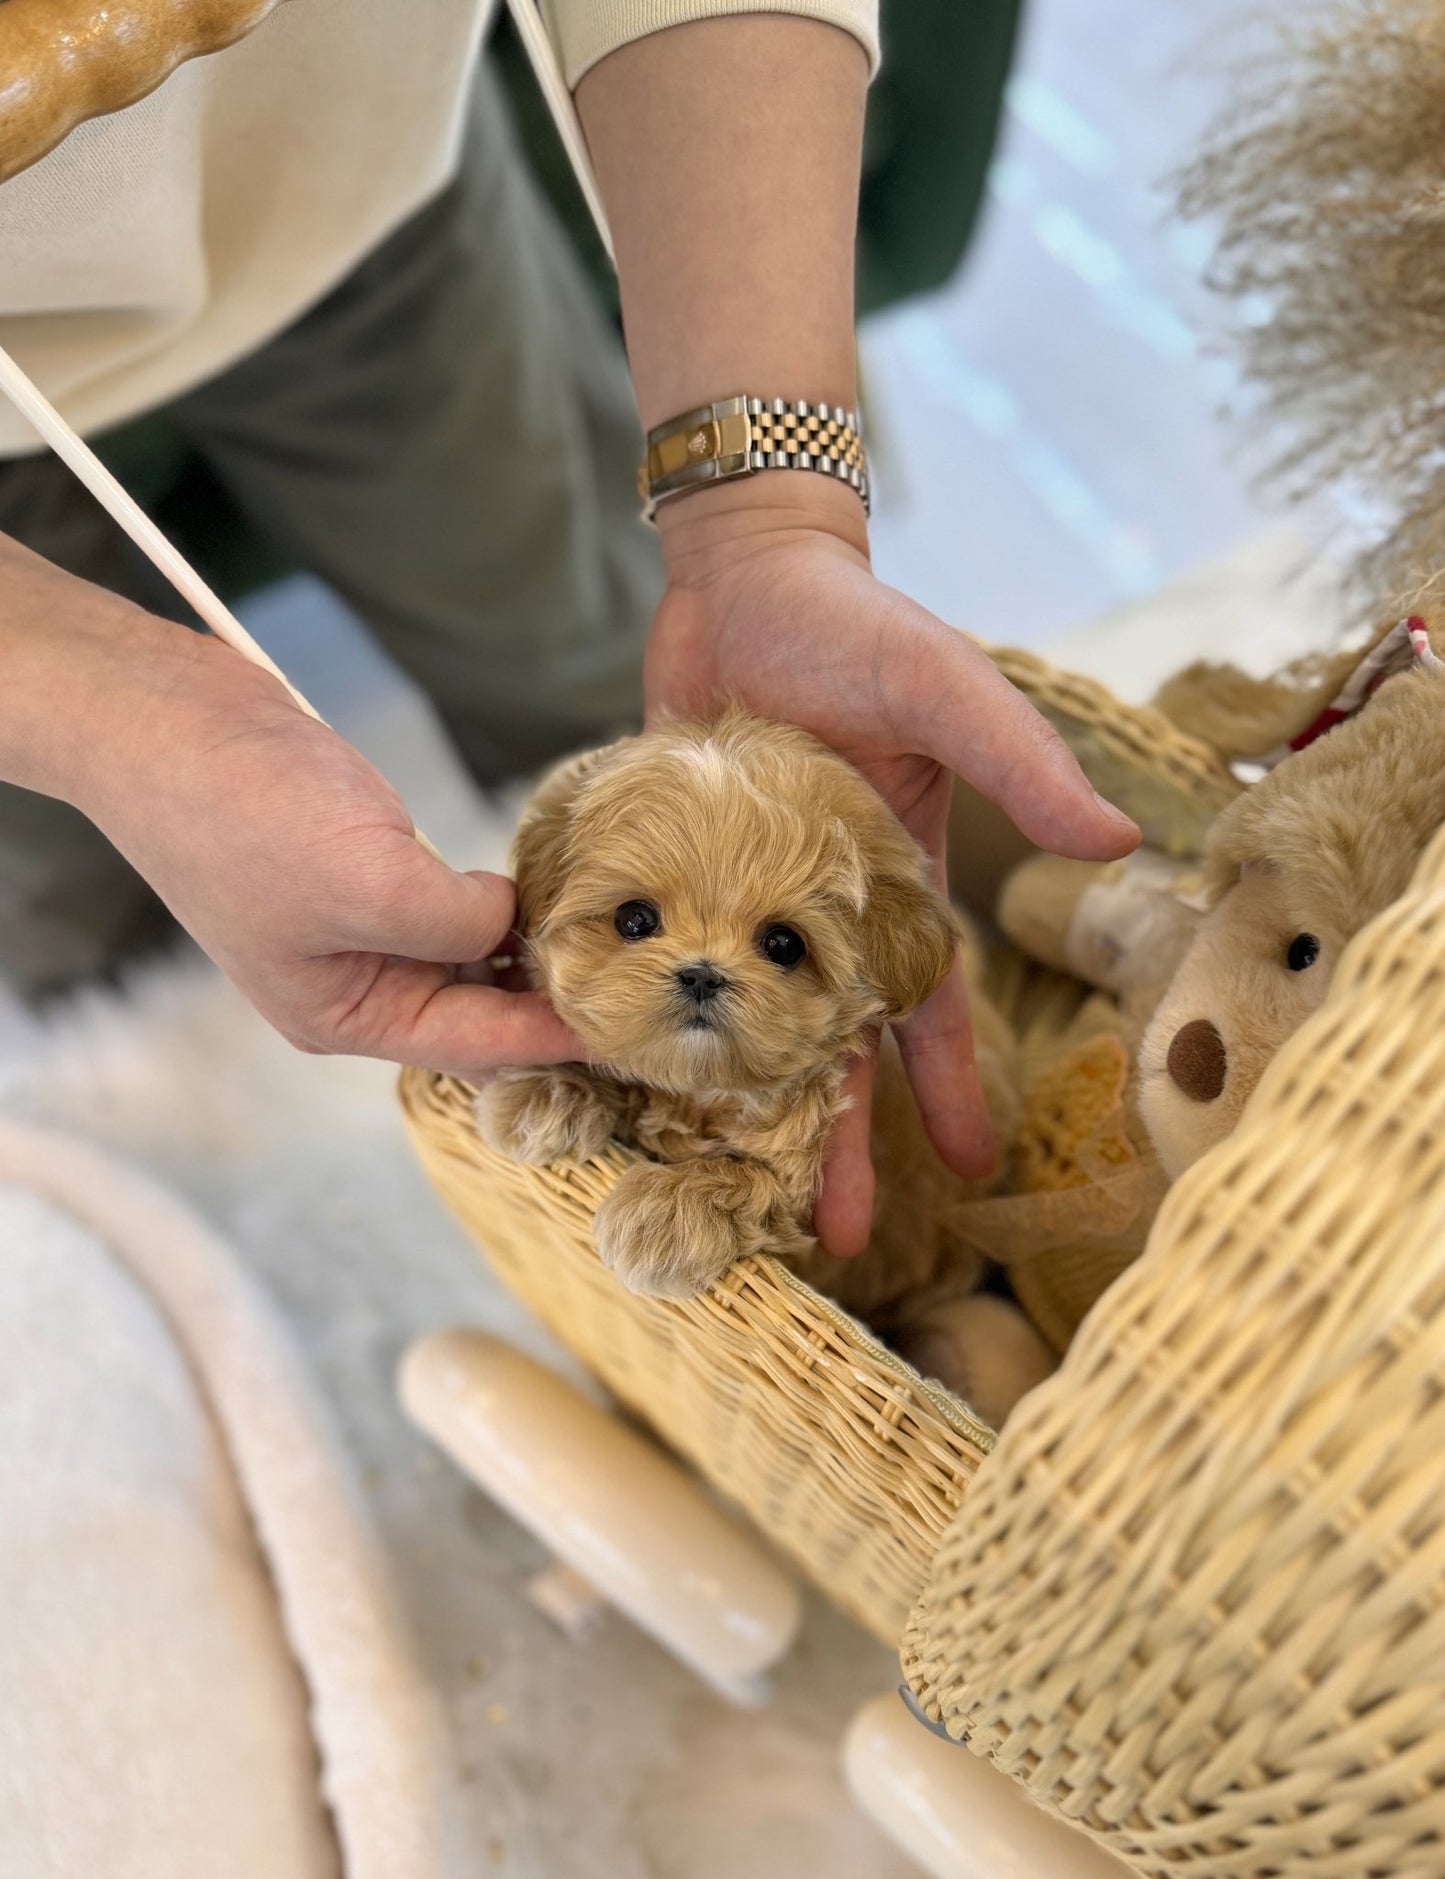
(724,912)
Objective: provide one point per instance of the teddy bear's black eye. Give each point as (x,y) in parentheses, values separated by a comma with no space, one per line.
(637,919)
(1304,949)
(784,947)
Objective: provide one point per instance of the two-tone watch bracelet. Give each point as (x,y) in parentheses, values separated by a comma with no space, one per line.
(740,436)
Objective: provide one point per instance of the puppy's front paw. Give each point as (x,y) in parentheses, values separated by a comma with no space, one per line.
(542,1116)
(668,1230)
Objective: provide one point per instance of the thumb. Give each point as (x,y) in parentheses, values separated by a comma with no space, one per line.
(441,916)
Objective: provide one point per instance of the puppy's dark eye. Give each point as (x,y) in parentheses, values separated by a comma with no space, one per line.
(784,947)
(637,919)
(1304,949)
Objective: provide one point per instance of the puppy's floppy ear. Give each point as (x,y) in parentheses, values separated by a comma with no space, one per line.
(910,940)
(540,859)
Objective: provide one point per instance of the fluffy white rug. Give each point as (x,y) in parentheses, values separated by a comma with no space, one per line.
(180,1538)
(599,1760)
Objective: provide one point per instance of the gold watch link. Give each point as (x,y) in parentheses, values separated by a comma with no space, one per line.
(741,436)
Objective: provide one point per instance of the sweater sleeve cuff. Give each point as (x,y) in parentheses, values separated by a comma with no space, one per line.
(584,31)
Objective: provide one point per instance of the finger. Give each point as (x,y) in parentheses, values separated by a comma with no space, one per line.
(430,912)
(467,1029)
(972,720)
(507,967)
(419,1014)
(843,1212)
(936,1044)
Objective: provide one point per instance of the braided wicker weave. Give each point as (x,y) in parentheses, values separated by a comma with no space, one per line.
(1194,1596)
(845,1458)
(1195,1599)
(1172,784)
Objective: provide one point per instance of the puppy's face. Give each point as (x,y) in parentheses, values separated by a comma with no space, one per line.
(724,907)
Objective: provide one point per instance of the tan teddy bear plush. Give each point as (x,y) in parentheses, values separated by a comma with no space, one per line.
(1212,966)
(1296,867)
(1215,967)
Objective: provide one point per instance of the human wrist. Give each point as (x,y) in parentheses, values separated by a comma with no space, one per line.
(99,694)
(66,647)
(734,233)
(710,529)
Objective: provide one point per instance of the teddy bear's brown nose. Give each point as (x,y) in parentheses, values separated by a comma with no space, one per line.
(1197,1060)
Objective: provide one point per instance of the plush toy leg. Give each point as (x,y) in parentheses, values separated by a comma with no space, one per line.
(981,1347)
(1122,926)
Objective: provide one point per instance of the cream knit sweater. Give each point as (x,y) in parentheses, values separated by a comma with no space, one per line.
(156,246)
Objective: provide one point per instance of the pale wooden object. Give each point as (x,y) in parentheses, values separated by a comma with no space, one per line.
(63,61)
(622,1515)
(956,1816)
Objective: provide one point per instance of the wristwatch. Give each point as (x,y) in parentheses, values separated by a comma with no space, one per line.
(740,436)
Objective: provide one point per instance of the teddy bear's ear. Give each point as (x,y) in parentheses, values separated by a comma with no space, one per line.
(910,939)
(540,860)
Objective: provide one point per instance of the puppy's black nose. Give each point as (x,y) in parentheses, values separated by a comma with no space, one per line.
(701,982)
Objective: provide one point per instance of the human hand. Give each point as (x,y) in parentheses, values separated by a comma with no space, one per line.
(771,601)
(273,841)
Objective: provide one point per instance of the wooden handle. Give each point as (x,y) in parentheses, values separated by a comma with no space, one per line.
(63,61)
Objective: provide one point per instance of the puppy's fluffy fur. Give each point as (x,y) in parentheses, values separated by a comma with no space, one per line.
(728,831)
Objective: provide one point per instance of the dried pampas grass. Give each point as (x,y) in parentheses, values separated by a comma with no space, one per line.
(1326,171)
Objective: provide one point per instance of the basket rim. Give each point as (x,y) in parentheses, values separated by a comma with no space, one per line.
(616,1156)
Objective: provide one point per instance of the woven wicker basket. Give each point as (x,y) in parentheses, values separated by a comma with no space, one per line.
(1194,1596)
(1196,1599)
(840,1453)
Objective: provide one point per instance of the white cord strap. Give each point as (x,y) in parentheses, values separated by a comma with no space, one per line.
(127,512)
(78,455)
